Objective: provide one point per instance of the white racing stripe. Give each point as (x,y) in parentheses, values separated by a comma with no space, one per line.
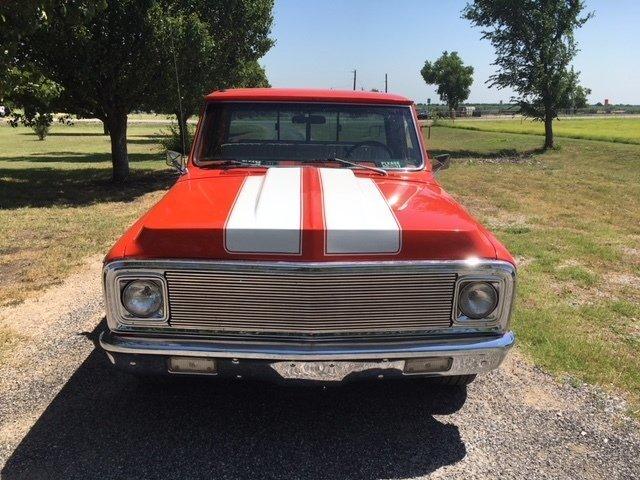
(267,214)
(357,217)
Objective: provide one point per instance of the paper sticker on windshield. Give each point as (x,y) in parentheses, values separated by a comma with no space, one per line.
(390,164)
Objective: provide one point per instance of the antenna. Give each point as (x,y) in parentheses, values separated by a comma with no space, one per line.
(175,66)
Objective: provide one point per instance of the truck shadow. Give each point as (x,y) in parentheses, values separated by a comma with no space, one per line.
(107,424)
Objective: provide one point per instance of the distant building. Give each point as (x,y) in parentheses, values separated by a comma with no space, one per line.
(606,102)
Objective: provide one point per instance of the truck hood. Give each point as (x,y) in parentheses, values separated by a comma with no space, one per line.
(306,214)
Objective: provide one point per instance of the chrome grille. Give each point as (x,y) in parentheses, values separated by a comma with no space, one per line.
(318,302)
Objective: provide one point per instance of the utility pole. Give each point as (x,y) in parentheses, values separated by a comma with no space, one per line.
(354,78)
(386,83)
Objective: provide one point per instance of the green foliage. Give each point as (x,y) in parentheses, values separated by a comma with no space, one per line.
(40,123)
(36,95)
(252,75)
(452,77)
(171,139)
(114,56)
(208,45)
(99,53)
(534,45)
(578,97)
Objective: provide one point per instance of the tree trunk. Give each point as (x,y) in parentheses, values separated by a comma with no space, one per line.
(184,132)
(117,124)
(105,128)
(548,130)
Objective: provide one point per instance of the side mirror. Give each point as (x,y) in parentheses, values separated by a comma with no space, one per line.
(176,160)
(441,162)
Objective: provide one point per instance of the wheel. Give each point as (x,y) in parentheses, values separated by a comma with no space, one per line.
(454,380)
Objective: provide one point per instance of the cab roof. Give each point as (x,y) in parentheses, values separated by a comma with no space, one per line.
(306,95)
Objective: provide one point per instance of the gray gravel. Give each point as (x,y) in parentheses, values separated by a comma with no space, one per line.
(64,413)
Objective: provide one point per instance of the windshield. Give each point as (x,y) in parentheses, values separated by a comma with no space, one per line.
(272,134)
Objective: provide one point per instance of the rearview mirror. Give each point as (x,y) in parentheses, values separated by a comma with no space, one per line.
(176,160)
(441,162)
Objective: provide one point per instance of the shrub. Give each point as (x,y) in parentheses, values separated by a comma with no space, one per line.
(40,123)
(171,139)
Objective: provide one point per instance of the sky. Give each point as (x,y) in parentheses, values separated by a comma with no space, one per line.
(320,42)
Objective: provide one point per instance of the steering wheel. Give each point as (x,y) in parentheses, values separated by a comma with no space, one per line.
(368,143)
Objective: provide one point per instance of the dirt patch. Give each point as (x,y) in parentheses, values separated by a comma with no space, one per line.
(623,279)
(542,399)
(30,317)
(633,252)
(522,261)
(508,222)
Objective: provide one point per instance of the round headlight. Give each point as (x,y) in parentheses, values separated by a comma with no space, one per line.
(142,298)
(477,299)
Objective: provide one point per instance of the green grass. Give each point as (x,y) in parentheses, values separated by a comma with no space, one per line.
(619,130)
(572,218)
(57,204)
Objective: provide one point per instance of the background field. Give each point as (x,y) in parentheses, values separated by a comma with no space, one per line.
(571,216)
(621,130)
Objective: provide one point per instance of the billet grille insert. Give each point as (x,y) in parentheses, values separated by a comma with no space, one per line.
(300,302)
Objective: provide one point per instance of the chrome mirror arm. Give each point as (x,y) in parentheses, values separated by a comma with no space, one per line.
(176,160)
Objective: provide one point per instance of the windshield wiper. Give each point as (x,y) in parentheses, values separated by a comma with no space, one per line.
(230,162)
(348,162)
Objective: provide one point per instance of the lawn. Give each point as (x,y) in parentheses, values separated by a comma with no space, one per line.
(620,130)
(571,216)
(572,219)
(57,205)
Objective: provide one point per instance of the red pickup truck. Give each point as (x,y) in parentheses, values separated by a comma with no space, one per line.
(307,238)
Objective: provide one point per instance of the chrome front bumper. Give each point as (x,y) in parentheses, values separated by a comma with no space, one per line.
(468,355)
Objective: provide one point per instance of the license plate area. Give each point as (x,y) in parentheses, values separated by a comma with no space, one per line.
(192,365)
(427,365)
(331,370)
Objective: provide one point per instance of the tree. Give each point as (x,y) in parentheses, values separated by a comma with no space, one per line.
(579,97)
(534,43)
(452,77)
(98,52)
(104,53)
(208,45)
(36,95)
(252,75)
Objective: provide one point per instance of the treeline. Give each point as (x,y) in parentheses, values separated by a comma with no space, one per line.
(438,110)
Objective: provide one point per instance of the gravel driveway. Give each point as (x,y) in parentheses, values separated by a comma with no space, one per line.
(64,413)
